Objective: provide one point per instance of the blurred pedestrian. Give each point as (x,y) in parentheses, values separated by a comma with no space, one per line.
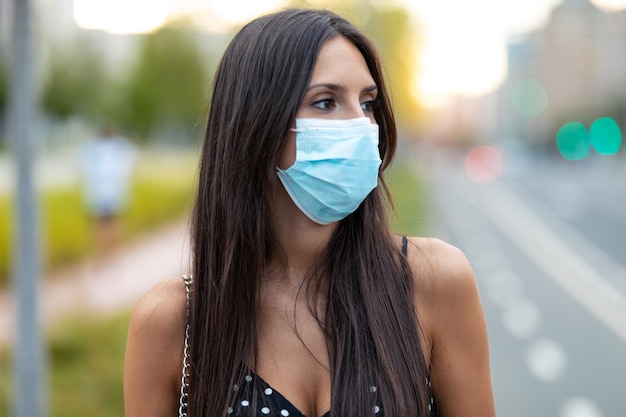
(106,164)
(302,301)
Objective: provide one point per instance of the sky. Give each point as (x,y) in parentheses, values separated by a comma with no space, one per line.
(464,43)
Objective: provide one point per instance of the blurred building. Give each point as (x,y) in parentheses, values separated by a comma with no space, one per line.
(579,59)
(571,70)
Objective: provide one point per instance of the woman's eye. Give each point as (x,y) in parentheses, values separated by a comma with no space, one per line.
(369,105)
(325,104)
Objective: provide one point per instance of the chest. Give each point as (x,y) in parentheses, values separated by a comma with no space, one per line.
(293,356)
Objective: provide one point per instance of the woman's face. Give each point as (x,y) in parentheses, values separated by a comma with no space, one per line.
(341,87)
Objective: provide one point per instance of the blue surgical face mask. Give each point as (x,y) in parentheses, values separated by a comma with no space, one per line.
(336,167)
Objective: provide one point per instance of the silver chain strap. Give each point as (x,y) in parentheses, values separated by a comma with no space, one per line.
(184,383)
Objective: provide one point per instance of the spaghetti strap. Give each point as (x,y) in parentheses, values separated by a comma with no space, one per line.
(405,242)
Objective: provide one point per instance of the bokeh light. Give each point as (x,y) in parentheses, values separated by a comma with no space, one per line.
(573,141)
(483,164)
(606,136)
(530,98)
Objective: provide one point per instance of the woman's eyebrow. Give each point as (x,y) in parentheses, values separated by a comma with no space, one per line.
(370,88)
(330,86)
(338,87)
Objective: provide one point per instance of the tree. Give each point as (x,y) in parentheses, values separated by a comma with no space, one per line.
(395,37)
(76,82)
(168,85)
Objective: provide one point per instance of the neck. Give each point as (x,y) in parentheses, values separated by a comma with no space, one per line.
(302,241)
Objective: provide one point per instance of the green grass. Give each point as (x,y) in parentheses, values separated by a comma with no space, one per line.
(409,202)
(6,388)
(85,375)
(6,232)
(86,359)
(162,191)
(161,195)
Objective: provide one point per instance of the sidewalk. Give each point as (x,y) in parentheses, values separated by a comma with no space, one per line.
(108,285)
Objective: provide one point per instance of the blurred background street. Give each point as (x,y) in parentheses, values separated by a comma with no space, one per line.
(511,116)
(547,245)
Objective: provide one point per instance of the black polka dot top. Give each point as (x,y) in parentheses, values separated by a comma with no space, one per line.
(256,398)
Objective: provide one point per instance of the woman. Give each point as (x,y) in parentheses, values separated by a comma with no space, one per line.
(302,301)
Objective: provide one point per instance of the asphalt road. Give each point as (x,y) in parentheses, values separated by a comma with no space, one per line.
(547,241)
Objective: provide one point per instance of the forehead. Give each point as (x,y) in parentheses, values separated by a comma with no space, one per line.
(339,60)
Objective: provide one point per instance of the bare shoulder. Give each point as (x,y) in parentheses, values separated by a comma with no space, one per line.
(154,350)
(452,317)
(161,310)
(444,284)
(440,270)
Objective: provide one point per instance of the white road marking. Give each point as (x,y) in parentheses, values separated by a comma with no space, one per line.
(546,360)
(522,318)
(558,260)
(580,407)
(482,239)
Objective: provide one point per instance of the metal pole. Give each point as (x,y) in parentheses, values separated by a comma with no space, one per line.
(28,351)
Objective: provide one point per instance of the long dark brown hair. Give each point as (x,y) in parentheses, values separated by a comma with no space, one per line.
(370,320)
